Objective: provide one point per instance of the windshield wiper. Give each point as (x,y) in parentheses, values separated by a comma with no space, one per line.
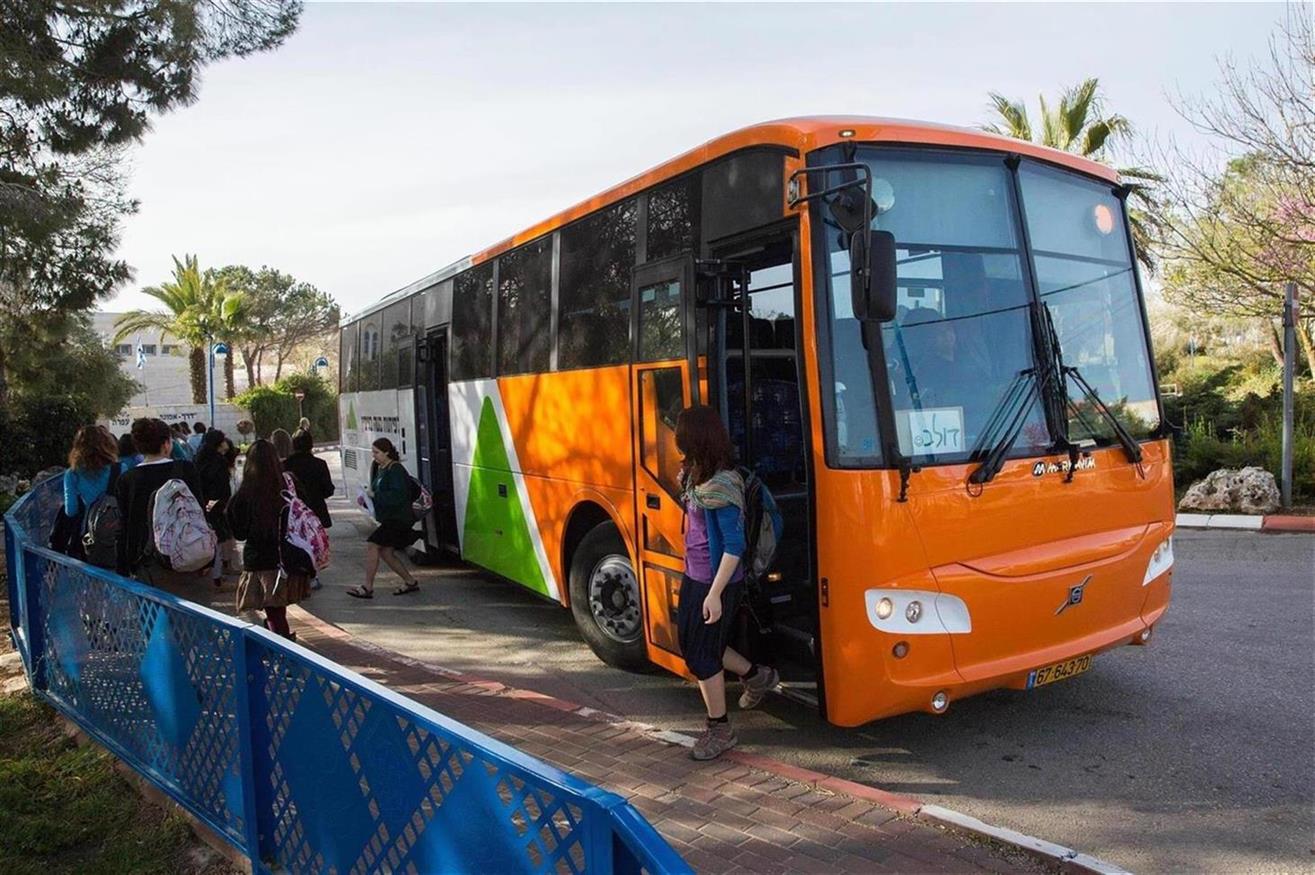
(1131,448)
(1007,422)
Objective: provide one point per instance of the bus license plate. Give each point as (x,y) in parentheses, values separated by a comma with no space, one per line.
(1059,671)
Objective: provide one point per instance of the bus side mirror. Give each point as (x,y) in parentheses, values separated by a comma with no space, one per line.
(872,276)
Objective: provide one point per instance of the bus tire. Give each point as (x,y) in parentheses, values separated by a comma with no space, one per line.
(605,599)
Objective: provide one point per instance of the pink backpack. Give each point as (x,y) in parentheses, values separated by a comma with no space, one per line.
(305,534)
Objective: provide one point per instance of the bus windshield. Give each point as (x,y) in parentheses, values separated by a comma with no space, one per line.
(963,331)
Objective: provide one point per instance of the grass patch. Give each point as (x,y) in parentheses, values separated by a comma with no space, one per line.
(63,808)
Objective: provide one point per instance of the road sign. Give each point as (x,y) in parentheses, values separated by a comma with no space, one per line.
(221,348)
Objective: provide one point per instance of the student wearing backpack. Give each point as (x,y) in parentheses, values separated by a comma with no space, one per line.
(93,468)
(391,490)
(713,494)
(138,555)
(257,514)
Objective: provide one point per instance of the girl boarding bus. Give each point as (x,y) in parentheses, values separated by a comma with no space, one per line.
(930,343)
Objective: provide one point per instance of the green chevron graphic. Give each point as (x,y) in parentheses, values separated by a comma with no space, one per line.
(497,535)
(351,415)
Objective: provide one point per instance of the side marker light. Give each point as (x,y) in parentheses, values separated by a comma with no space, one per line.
(940,702)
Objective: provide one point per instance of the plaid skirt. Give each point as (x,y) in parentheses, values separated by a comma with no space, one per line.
(257,590)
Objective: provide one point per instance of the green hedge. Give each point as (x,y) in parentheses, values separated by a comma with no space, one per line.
(276,407)
(36,433)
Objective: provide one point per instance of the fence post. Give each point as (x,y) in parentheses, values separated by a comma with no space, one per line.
(598,838)
(34,618)
(247,721)
(1289,366)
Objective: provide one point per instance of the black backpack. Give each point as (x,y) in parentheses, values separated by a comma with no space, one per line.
(101,525)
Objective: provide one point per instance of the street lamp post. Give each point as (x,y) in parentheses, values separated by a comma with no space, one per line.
(216,349)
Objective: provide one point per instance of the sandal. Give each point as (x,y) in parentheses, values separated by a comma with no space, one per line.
(406,588)
(360,592)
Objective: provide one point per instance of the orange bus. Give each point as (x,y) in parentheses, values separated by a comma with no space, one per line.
(930,343)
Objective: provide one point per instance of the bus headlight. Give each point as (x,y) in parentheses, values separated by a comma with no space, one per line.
(884,608)
(1161,561)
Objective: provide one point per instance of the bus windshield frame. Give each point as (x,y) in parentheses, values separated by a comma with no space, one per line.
(972,285)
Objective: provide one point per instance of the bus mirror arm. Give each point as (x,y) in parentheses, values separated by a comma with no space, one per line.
(871,253)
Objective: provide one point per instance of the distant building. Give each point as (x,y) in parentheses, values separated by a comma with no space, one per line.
(159,362)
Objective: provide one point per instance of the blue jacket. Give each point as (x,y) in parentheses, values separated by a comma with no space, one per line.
(86,486)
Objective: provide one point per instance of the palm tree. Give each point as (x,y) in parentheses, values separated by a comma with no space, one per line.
(199,310)
(1076,125)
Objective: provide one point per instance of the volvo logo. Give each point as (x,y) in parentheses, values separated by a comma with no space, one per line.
(1074,596)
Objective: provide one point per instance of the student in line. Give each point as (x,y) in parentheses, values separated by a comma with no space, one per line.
(128,455)
(91,461)
(217,489)
(710,591)
(258,519)
(282,443)
(390,488)
(195,438)
(179,451)
(154,440)
(313,479)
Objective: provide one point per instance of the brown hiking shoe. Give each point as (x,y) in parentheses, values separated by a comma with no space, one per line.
(758,686)
(716,739)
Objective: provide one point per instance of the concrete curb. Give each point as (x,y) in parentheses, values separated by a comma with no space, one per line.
(1269,523)
(1067,858)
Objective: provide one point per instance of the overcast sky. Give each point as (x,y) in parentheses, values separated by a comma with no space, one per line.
(384,141)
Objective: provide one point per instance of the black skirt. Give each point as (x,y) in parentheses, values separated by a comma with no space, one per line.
(399,536)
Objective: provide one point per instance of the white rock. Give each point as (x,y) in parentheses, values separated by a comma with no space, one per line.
(1250,490)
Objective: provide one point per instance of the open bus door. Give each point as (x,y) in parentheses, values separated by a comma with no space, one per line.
(434,441)
(665,381)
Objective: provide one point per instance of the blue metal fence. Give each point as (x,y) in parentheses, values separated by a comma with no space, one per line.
(300,764)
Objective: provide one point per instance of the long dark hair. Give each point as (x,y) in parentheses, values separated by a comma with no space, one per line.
(93,448)
(210,447)
(385,445)
(262,486)
(702,440)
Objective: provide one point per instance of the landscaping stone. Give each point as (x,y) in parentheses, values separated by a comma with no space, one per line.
(1249,490)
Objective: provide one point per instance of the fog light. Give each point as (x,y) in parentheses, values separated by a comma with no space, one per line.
(900,650)
(1146,634)
(913,612)
(884,607)
(940,702)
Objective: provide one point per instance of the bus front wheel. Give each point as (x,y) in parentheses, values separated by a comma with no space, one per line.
(605,599)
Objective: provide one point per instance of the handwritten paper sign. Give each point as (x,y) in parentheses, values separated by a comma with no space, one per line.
(935,431)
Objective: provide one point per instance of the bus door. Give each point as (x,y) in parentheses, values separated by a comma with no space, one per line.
(434,440)
(664,383)
(753,320)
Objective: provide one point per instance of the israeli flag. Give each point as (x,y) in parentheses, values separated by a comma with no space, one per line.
(141,354)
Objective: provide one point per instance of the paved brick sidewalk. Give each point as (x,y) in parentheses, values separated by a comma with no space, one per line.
(723,816)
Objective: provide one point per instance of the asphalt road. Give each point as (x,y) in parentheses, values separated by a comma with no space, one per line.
(1195,753)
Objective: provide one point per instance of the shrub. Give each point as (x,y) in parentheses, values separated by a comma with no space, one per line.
(39,431)
(276,407)
(1202,451)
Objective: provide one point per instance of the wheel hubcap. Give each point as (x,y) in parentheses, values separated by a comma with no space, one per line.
(614,599)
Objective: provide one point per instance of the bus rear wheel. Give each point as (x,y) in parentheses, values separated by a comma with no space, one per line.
(605,599)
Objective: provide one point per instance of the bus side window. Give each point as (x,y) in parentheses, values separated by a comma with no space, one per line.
(661,397)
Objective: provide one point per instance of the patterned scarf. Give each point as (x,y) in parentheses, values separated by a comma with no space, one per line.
(721,490)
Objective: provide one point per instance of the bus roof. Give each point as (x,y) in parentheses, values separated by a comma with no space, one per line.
(800,135)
